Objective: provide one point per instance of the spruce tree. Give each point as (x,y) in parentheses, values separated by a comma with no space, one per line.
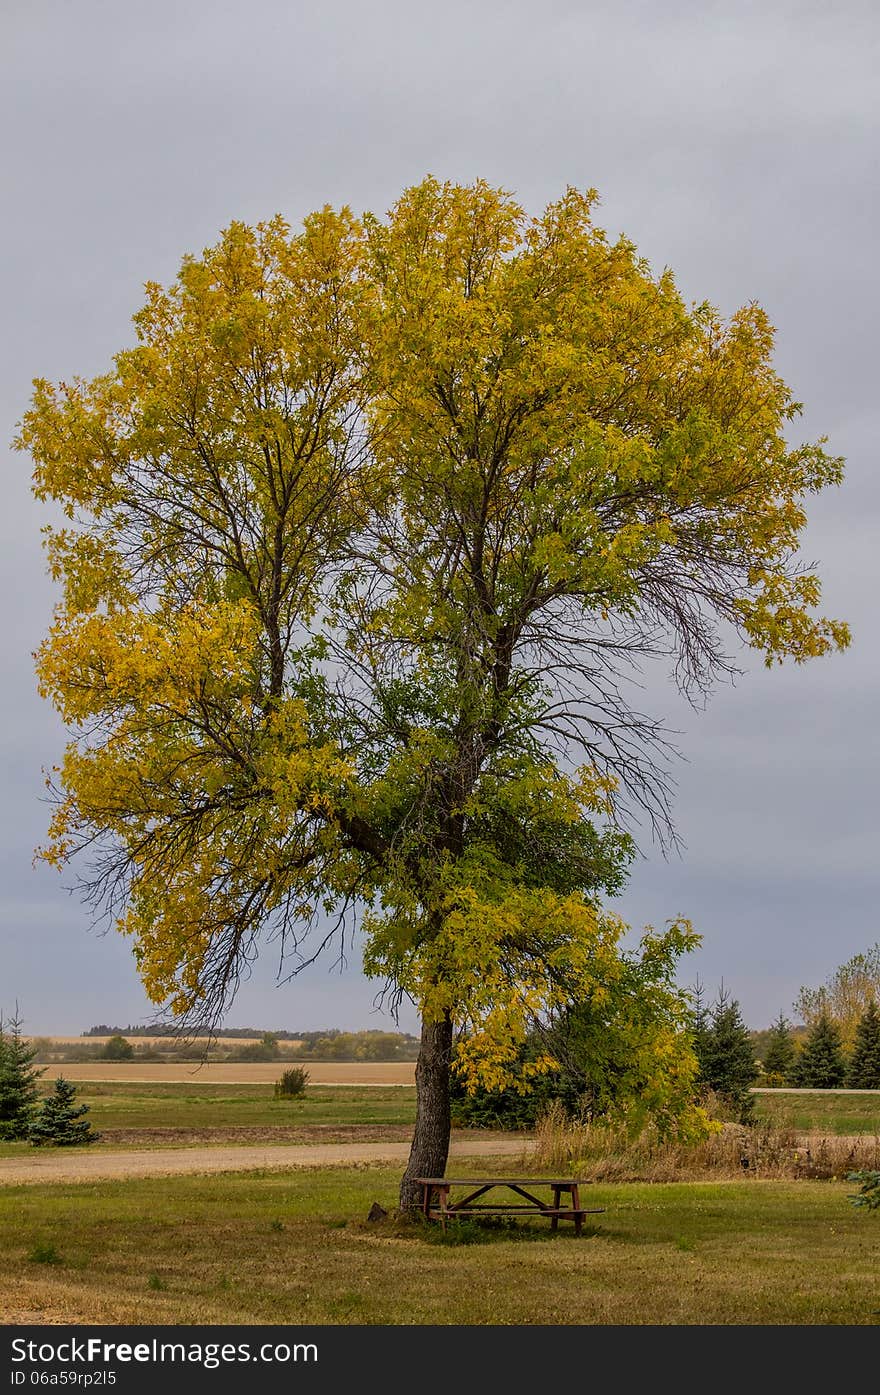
(781,1051)
(60,1122)
(821,1064)
(864,1068)
(724,1050)
(18,1081)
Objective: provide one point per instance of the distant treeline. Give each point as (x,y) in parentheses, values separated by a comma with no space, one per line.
(165,1042)
(171,1029)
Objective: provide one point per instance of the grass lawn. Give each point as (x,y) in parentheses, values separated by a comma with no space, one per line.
(141,1114)
(824,1111)
(276,1248)
(121,1105)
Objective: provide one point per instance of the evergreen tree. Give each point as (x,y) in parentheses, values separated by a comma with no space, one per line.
(821,1064)
(700,1026)
(723,1048)
(60,1122)
(18,1081)
(864,1068)
(780,1054)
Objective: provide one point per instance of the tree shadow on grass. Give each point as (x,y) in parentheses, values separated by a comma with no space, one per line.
(483,1230)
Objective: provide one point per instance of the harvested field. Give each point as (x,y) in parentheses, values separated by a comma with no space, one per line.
(243,1073)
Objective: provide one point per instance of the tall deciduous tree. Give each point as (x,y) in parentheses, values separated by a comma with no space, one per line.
(845,995)
(364,537)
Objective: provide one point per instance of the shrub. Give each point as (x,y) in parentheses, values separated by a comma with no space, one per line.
(117,1049)
(868,1195)
(44,1253)
(61,1123)
(292,1084)
(266,1049)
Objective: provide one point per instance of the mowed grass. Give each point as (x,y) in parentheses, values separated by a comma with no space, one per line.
(824,1111)
(296,1248)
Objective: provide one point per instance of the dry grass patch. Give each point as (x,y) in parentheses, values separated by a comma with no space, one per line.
(610,1153)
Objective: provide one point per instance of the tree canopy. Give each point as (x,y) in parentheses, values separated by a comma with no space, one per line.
(363,539)
(845,995)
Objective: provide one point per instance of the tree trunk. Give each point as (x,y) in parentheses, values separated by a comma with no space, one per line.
(430,1145)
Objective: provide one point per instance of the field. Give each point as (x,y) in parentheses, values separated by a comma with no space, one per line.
(174,1114)
(297,1248)
(196,1109)
(116,1105)
(168,1043)
(294,1246)
(821,1111)
(241,1073)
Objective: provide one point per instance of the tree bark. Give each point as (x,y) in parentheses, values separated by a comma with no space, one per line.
(430,1144)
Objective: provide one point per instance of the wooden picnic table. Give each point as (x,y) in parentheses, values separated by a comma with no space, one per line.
(436,1204)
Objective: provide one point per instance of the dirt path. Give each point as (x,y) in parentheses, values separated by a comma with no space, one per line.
(168,1162)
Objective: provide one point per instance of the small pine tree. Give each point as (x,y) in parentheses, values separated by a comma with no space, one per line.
(60,1122)
(864,1067)
(723,1047)
(821,1064)
(781,1051)
(18,1081)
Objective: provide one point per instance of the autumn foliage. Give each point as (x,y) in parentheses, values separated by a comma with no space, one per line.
(362,538)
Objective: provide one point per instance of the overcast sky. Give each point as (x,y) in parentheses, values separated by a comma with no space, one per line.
(734,142)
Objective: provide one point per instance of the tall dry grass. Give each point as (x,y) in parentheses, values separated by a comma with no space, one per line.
(610,1153)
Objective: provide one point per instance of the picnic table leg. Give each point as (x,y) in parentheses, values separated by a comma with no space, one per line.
(576,1206)
(554,1221)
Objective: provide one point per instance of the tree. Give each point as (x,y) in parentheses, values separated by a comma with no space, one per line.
(364,538)
(845,995)
(864,1066)
(622,1054)
(18,1081)
(118,1048)
(780,1052)
(60,1122)
(821,1064)
(266,1049)
(726,1057)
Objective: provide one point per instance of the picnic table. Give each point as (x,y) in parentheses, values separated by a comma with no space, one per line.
(437,1205)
